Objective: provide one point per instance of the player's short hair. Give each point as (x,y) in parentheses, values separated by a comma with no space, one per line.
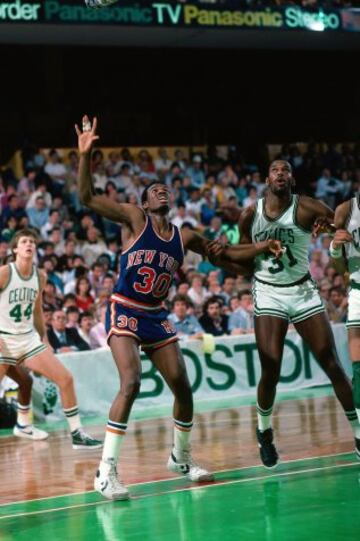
(144,195)
(26,232)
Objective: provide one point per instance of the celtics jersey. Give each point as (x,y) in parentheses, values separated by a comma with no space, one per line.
(352,249)
(17,300)
(293,265)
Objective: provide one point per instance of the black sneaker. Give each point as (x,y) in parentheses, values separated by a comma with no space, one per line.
(268,453)
(81,440)
(357,447)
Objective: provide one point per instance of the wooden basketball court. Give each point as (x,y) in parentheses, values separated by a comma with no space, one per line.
(47,487)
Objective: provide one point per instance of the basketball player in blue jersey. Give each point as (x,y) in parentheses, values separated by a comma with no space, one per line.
(153,250)
(284,292)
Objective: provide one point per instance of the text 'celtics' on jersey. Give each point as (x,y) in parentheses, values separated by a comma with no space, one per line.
(17,301)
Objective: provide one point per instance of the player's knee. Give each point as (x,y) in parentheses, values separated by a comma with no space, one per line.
(66,380)
(270,376)
(130,388)
(181,387)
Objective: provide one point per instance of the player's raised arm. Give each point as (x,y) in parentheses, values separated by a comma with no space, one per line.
(117,212)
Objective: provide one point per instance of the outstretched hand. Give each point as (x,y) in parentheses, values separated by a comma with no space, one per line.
(214,249)
(340,238)
(323,225)
(276,248)
(87,136)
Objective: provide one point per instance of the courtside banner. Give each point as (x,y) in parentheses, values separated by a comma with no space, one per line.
(232,370)
(181,15)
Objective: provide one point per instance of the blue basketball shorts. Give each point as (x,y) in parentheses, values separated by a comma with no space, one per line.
(151,330)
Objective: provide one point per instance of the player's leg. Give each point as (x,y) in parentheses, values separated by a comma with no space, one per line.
(270,334)
(316,332)
(24,427)
(171,365)
(354,350)
(49,366)
(126,355)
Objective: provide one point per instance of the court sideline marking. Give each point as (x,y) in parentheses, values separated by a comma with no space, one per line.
(185,489)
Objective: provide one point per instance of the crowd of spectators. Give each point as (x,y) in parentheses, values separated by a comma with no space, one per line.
(80,251)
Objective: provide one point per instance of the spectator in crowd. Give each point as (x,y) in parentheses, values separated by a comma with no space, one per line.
(56,171)
(162,163)
(317,267)
(72,317)
(12,209)
(96,277)
(241,321)
(183,216)
(63,339)
(10,228)
(86,322)
(98,334)
(41,191)
(93,247)
(50,299)
(214,230)
(197,292)
(48,312)
(195,171)
(212,320)
(39,214)
(84,299)
(228,288)
(48,263)
(329,189)
(186,325)
(337,305)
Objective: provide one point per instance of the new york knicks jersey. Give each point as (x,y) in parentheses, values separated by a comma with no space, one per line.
(147,268)
(352,249)
(17,301)
(293,264)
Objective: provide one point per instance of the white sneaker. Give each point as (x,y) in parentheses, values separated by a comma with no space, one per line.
(107,482)
(189,468)
(30,432)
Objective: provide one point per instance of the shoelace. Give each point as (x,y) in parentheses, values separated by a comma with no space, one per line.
(190,461)
(114,481)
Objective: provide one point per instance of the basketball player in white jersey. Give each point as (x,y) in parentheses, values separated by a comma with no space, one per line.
(345,252)
(23,339)
(285,293)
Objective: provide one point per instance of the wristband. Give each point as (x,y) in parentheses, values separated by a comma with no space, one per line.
(335,253)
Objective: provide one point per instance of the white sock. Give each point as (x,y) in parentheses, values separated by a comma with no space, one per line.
(73,418)
(182,433)
(114,438)
(352,417)
(264,418)
(24,414)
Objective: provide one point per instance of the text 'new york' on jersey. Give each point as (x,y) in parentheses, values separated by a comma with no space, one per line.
(148,266)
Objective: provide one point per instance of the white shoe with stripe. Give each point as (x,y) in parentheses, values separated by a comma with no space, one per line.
(30,432)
